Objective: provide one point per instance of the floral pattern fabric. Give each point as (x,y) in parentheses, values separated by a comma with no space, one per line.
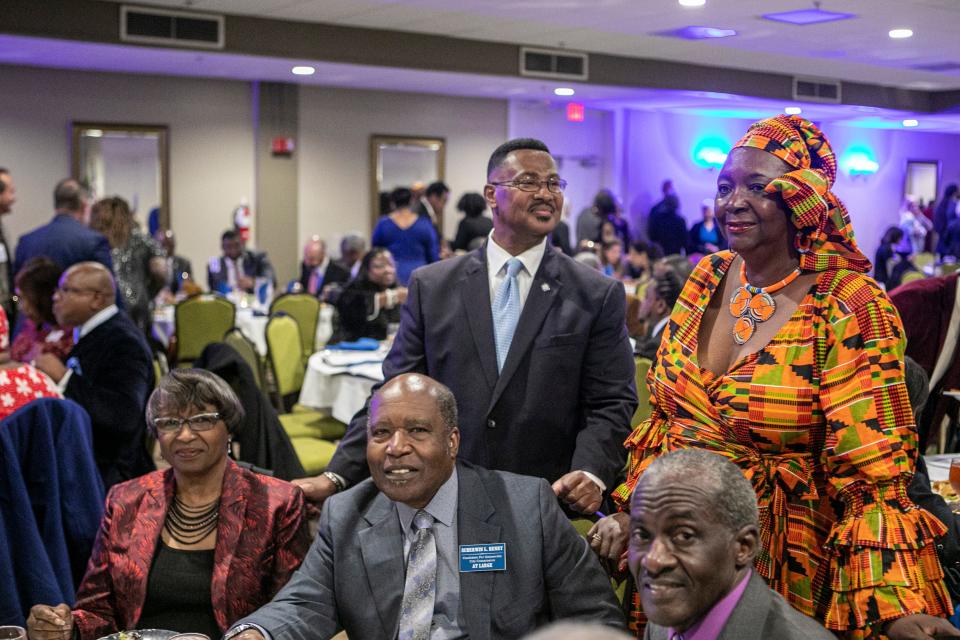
(820,423)
(22,385)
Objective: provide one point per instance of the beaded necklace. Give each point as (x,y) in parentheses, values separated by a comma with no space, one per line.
(190,525)
(752,305)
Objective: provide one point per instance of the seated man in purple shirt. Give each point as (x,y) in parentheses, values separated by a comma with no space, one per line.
(693,539)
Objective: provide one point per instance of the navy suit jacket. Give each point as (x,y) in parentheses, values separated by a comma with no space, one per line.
(566,393)
(66,241)
(334,274)
(113,374)
(352,577)
(256,264)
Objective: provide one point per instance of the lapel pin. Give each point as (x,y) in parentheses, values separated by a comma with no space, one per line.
(545,287)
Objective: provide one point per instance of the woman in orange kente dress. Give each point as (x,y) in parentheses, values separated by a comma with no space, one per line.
(785,357)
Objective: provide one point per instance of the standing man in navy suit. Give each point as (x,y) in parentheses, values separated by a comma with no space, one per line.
(533,345)
(66,239)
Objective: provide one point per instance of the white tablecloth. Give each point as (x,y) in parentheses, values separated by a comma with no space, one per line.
(341,381)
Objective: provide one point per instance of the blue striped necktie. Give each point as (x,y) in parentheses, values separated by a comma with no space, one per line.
(506,310)
(420,587)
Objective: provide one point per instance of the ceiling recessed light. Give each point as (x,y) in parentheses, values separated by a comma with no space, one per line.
(900,33)
(910,122)
(695,32)
(793,111)
(303,71)
(563,91)
(808,16)
(692,3)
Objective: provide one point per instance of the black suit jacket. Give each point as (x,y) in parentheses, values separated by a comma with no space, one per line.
(65,241)
(113,373)
(335,274)
(352,577)
(566,393)
(761,614)
(179,266)
(256,264)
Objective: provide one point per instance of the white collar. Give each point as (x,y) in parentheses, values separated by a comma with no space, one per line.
(660,325)
(322,267)
(497,256)
(95,321)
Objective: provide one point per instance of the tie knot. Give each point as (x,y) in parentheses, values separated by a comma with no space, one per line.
(422,520)
(513,267)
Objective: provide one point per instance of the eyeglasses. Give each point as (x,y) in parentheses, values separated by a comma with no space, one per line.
(532,185)
(197,423)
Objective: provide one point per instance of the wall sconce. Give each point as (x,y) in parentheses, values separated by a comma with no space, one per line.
(860,162)
(710,157)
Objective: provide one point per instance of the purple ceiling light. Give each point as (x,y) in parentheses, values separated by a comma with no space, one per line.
(697,33)
(808,16)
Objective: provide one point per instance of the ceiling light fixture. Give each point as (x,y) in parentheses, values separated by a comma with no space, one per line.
(303,71)
(793,111)
(899,34)
(692,3)
(695,32)
(563,91)
(910,122)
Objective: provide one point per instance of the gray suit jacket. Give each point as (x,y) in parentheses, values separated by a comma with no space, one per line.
(353,575)
(761,614)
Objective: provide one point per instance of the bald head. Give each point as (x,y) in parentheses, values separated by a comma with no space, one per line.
(414,385)
(84,290)
(314,252)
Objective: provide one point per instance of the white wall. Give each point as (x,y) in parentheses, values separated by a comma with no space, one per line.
(585,150)
(335,130)
(211,143)
(661,146)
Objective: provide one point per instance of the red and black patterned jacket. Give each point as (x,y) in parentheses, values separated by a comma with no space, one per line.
(262,537)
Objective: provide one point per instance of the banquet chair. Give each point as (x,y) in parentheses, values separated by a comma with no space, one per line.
(923,260)
(200,321)
(912,276)
(243,346)
(305,310)
(52,503)
(948,268)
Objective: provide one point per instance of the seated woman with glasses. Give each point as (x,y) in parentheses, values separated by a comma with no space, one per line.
(371,301)
(193,548)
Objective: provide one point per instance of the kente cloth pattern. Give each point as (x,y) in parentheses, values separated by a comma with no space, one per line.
(824,233)
(420,586)
(506,310)
(819,421)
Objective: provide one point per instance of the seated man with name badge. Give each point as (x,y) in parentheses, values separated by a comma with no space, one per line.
(694,534)
(432,548)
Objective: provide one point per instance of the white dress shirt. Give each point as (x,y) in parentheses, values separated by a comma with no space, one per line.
(497,258)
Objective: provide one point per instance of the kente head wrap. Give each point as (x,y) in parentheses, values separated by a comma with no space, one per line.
(824,233)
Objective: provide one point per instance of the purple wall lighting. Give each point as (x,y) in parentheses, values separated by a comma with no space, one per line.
(808,16)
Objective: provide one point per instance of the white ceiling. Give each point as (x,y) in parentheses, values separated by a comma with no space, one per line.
(854,50)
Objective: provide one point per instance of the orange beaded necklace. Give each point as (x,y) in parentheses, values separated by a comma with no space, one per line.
(751,305)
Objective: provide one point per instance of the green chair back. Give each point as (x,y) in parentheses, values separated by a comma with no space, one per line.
(643,392)
(199,321)
(923,260)
(911,276)
(242,345)
(949,267)
(305,310)
(285,354)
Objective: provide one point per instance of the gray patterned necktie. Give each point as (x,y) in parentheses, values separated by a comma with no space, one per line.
(419,590)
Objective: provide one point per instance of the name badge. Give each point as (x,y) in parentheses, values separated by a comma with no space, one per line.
(483,557)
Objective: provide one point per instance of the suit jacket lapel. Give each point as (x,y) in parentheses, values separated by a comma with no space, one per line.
(475,297)
(381,546)
(750,615)
(142,544)
(233,505)
(543,293)
(474,510)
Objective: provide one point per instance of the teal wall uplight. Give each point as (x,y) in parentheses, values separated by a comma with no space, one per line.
(710,153)
(859,161)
